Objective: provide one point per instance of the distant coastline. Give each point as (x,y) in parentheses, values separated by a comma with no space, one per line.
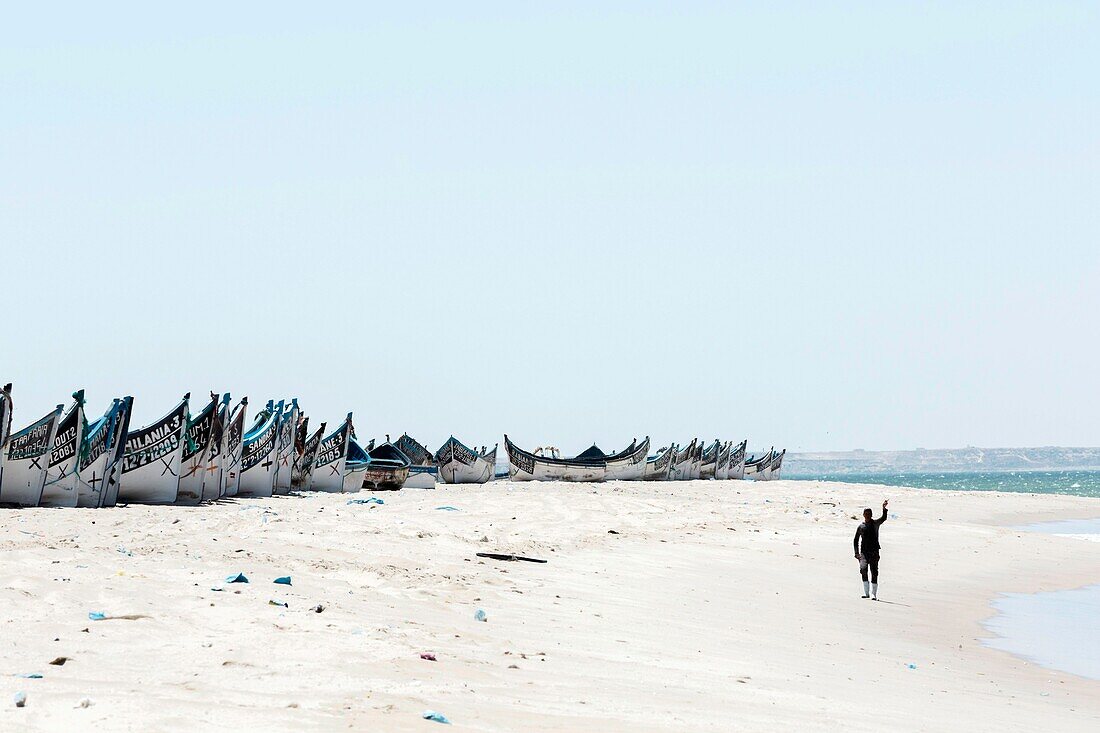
(944,460)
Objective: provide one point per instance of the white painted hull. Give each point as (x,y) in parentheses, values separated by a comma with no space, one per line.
(90,481)
(154,456)
(722,467)
(420,477)
(355,474)
(659,468)
(62,477)
(630,467)
(192,472)
(153,483)
(332,456)
(329,477)
(25,459)
(479,472)
(116,450)
(258,481)
(284,473)
(459,464)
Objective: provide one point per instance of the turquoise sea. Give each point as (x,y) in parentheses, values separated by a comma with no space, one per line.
(1078,483)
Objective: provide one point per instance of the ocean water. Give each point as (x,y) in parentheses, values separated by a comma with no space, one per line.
(1077,483)
(1058,629)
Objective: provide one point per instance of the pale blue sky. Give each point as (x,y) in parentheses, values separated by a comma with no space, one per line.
(824,227)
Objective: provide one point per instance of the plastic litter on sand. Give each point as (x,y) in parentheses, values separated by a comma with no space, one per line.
(433,715)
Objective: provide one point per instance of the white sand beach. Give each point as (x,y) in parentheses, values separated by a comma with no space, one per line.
(714,606)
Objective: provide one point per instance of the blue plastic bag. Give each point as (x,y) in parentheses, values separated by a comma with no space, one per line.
(437,717)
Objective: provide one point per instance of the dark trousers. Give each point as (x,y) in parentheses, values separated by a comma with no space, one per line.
(872,565)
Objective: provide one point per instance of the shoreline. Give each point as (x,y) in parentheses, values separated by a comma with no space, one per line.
(713,606)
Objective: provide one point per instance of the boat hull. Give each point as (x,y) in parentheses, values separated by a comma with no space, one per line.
(421,477)
(25,460)
(385,477)
(459,464)
(153,459)
(628,467)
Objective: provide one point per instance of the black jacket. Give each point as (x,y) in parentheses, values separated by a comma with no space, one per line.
(868,531)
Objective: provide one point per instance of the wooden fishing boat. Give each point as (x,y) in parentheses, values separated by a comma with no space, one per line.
(708,460)
(258,453)
(101,453)
(196,453)
(330,468)
(422,468)
(213,480)
(63,473)
(697,461)
(153,458)
(234,449)
(657,466)
(385,466)
(528,466)
(284,448)
(458,464)
(737,460)
(629,463)
(25,460)
(722,466)
(308,458)
(756,467)
(681,462)
(775,466)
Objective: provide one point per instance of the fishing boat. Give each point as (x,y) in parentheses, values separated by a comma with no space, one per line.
(301,435)
(422,468)
(308,458)
(528,466)
(112,476)
(196,452)
(697,461)
(682,462)
(458,464)
(213,482)
(708,460)
(775,466)
(756,467)
(737,460)
(332,455)
(153,457)
(62,475)
(657,466)
(386,467)
(258,453)
(101,451)
(284,451)
(234,449)
(25,460)
(722,466)
(629,463)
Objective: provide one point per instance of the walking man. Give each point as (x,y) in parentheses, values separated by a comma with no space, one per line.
(867,554)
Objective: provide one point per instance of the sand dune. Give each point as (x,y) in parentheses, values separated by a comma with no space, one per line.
(717,606)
